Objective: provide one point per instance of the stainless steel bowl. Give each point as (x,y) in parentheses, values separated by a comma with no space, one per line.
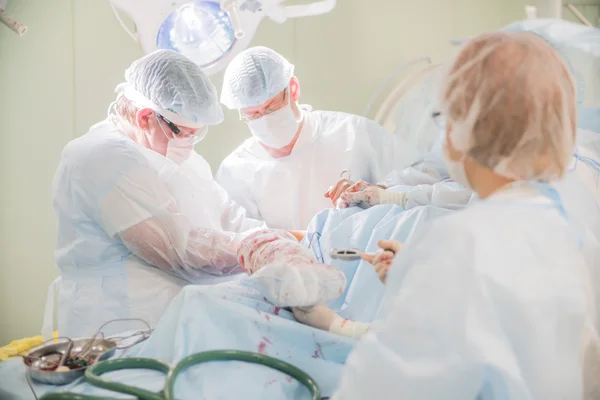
(102,348)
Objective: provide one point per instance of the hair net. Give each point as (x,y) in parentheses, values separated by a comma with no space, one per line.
(510,102)
(254,76)
(579,47)
(173,86)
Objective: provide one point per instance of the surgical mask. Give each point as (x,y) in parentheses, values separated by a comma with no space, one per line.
(277,129)
(456,170)
(180,149)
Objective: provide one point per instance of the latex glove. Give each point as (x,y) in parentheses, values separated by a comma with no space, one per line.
(320,317)
(367,195)
(361,193)
(336,190)
(326,319)
(382,260)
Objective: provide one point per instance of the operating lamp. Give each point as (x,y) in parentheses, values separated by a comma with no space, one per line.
(210,33)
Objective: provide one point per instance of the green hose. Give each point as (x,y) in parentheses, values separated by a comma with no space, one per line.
(237,355)
(92,374)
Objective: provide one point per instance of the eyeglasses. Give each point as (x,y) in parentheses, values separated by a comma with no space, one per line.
(272,108)
(439,119)
(174,128)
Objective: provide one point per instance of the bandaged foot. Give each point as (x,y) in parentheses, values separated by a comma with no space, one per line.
(324,318)
(288,273)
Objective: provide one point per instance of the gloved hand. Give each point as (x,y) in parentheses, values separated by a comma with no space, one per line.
(320,317)
(382,260)
(364,194)
(360,193)
(336,190)
(288,274)
(324,318)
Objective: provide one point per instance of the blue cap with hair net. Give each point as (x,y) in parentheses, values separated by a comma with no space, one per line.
(173,86)
(254,76)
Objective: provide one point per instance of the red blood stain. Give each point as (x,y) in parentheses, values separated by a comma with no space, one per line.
(289,379)
(267,317)
(276,310)
(262,348)
(267,340)
(318,352)
(269,383)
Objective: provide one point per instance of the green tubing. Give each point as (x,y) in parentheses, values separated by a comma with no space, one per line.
(72,396)
(237,355)
(92,374)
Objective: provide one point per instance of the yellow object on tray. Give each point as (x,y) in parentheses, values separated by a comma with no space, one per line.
(17,347)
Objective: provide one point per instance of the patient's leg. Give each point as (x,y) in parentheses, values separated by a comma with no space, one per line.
(288,272)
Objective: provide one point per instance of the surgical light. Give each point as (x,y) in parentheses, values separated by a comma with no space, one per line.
(210,33)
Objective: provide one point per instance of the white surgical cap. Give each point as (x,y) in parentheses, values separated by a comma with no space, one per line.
(511,105)
(175,87)
(254,76)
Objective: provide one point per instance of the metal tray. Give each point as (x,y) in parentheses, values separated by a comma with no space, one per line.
(102,349)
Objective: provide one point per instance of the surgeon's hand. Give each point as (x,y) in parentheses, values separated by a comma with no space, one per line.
(336,190)
(320,317)
(382,260)
(361,193)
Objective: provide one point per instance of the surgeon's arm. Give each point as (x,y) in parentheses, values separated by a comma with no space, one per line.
(324,318)
(442,194)
(140,211)
(235,218)
(165,243)
(422,349)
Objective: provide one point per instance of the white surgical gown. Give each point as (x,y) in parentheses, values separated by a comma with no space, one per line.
(123,211)
(486,303)
(427,182)
(287,192)
(588,166)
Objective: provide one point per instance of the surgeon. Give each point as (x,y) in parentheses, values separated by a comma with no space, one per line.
(282,171)
(139,214)
(492,301)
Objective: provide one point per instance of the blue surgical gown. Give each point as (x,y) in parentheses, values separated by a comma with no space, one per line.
(486,303)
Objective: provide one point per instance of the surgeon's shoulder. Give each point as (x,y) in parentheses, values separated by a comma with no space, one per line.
(454,231)
(339,118)
(102,151)
(337,121)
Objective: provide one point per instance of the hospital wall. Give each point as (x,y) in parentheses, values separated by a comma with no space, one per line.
(58,79)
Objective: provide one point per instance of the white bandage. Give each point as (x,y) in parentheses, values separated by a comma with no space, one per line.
(389,197)
(351,329)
